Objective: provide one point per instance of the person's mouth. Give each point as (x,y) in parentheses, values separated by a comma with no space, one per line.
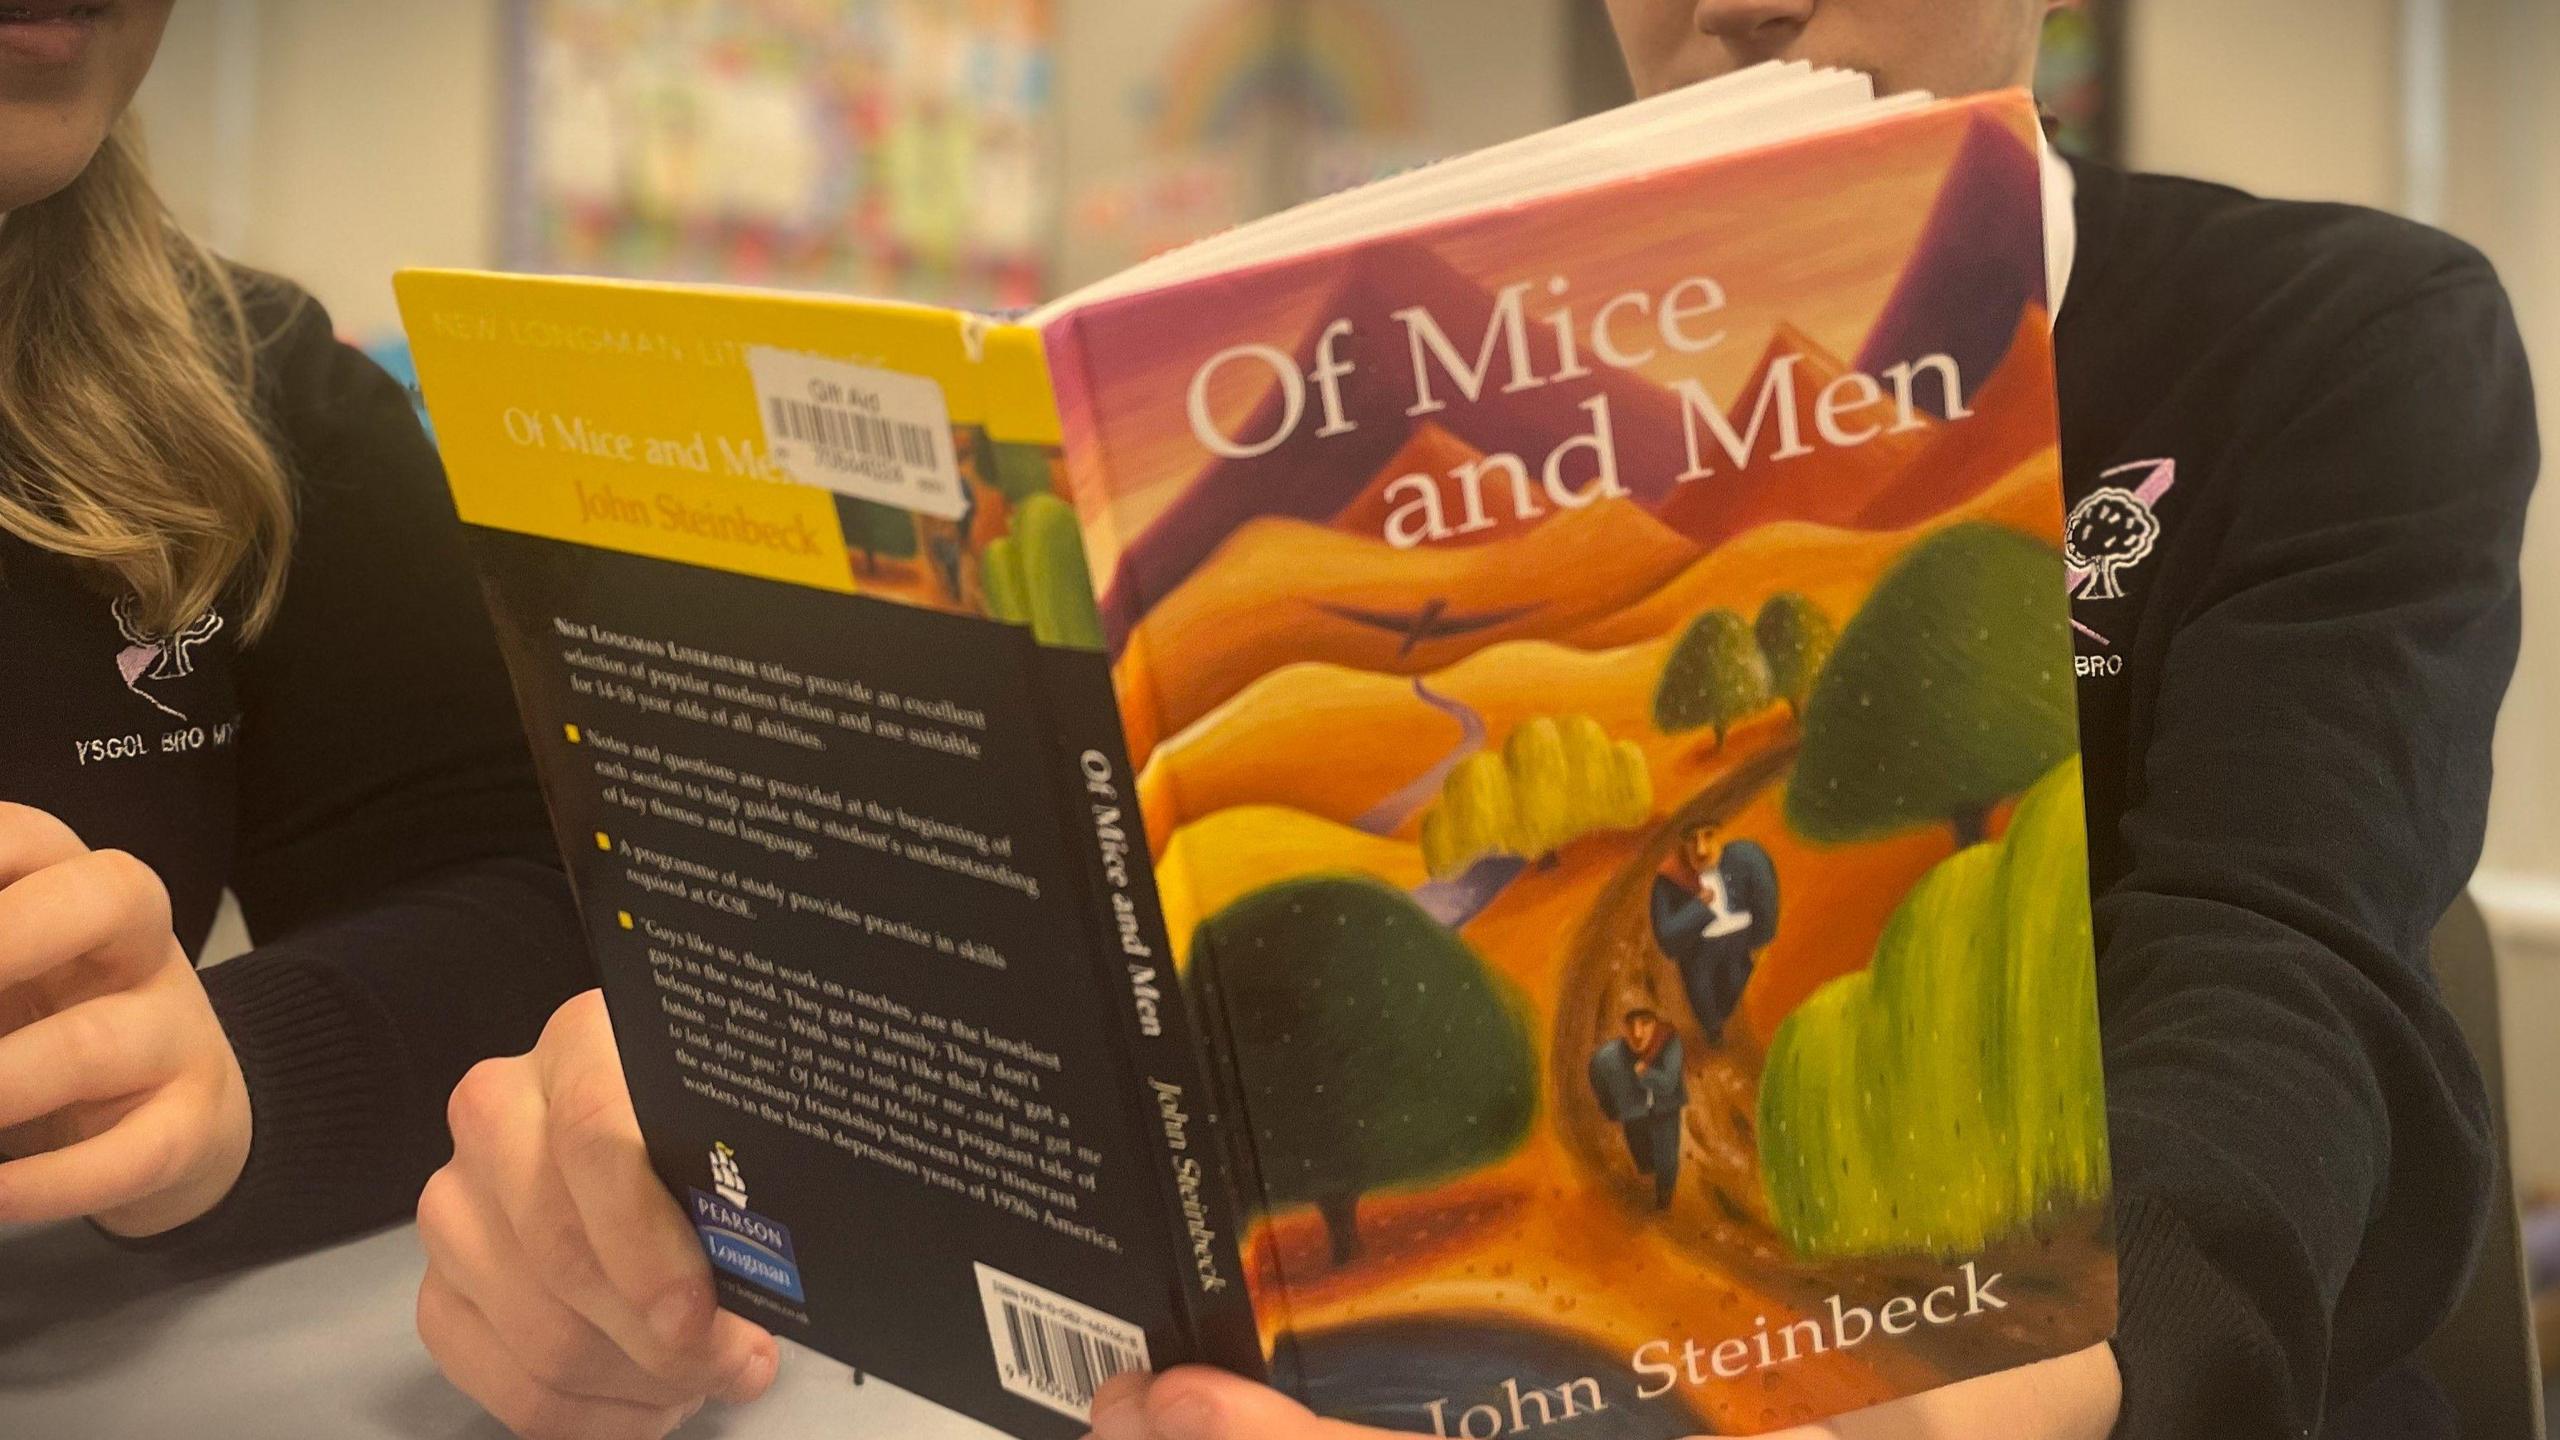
(49,31)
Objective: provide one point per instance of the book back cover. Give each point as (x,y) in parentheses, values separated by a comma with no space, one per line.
(800,638)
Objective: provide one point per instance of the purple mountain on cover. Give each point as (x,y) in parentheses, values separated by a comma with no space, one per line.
(1974,269)
(1313,479)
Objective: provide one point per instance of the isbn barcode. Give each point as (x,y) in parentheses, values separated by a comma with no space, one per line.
(853,432)
(1061,1360)
(1051,1349)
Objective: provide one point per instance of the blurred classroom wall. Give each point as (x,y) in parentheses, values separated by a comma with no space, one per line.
(2501,189)
(2443,110)
(1109,146)
(333,142)
(336,142)
(2299,98)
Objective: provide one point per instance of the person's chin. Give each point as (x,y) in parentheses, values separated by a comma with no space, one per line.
(40,154)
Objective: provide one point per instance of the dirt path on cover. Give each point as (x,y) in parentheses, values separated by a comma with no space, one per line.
(2057,1283)
(1563,1233)
(1554,1235)
(1390,814)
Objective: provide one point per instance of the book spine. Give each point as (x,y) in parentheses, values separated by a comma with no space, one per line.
(1179,1048)
(1167,1063)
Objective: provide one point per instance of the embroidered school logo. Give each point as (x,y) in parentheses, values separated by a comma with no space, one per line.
(2114,529)
(747,1245)
(159,657)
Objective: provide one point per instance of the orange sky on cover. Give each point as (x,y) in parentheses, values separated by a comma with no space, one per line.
(1814,234)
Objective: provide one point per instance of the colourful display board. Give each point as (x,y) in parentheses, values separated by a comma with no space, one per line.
(885,147)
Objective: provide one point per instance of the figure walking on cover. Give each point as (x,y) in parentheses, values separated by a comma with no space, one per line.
(1713,911)
(1642,1084)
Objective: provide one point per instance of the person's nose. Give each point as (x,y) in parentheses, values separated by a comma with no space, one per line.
(1755,29)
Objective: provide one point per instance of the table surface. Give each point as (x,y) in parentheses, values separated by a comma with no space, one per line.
(95,1342)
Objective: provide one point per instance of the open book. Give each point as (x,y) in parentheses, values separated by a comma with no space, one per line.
(1465,798)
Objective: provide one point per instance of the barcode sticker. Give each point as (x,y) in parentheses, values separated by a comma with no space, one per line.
(1051,1350)
(868,433)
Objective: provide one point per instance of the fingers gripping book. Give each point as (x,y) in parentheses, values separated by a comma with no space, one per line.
(1465,799)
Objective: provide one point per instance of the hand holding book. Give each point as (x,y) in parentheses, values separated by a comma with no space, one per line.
(564,1290)
(2071,1397)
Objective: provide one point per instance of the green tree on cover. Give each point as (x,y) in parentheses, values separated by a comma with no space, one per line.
(1000,576)
(1055,591)
(1716,677)
(1372,1047)
(1949,692)
(878,531)
(1542,788)
(1018,471)
(1613,778)
(1476,815)
(1950,1093)
(1555,780)
(1795,637)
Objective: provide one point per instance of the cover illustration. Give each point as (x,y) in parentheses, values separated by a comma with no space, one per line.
(1600,685)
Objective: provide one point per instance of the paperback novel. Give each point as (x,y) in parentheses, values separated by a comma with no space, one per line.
(1466,801)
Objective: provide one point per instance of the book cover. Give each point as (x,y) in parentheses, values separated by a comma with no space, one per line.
(813,683)
(1600,682)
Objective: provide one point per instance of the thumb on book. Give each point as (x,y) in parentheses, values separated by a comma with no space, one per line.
(1197,1403)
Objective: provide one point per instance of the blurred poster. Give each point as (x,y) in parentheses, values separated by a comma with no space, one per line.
(2080,78)
(1187,116)
(897,148)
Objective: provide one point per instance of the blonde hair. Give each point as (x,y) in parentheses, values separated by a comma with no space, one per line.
(130,430)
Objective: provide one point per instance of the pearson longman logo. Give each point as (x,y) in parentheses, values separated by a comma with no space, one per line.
(753,1247)
(2113,530)
(726,1180)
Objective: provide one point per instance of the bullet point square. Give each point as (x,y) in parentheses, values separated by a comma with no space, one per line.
(624,916)
(603,841)
(571,731)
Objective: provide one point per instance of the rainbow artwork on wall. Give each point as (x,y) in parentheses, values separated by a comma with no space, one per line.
(1256,105)
(1331,67)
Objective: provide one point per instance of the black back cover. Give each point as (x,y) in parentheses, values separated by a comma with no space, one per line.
(830,887)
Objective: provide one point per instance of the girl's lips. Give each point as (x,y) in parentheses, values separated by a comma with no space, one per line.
(47,32)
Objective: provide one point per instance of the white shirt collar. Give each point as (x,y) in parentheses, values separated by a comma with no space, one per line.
(2061,225)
